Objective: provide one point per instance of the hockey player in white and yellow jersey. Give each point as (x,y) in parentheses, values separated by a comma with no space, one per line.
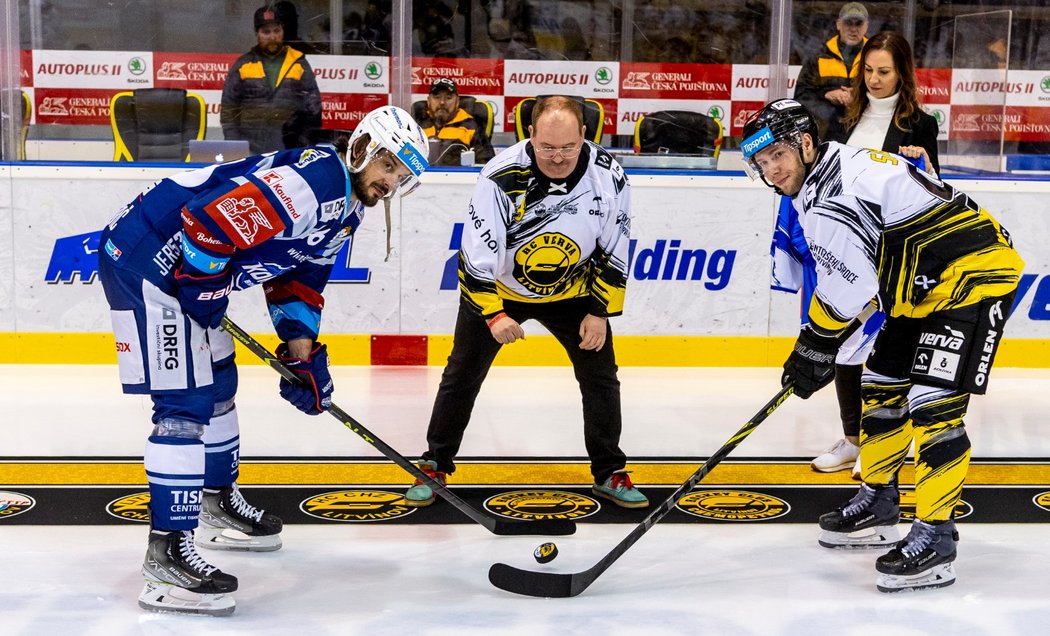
(546,238)
(945,272)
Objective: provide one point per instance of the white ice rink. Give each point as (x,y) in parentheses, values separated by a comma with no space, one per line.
(432,579)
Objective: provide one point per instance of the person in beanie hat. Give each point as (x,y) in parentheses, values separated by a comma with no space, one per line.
(270,96)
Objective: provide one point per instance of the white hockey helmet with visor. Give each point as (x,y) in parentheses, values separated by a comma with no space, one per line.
(392,129)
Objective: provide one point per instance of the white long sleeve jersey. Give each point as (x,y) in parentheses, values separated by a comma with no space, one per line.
(530,239)
(878,227)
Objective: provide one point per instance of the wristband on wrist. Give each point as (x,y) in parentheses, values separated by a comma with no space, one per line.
(498,317)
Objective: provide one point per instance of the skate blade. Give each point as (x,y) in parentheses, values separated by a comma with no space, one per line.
(938,576)
(229,539)
(172,599)
(877,537)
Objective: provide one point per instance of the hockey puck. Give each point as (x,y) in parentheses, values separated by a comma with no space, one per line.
(545,553)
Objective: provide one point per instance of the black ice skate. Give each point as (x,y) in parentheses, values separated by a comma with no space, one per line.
(922,560)
(228,522)
(178,580)
(869,520)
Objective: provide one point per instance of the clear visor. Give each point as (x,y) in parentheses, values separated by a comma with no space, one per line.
(406,183)
(751,169)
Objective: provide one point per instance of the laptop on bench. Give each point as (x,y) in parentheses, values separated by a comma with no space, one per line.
(218,150)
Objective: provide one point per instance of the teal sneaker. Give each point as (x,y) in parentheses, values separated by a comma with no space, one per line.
(421,495)
(619,490)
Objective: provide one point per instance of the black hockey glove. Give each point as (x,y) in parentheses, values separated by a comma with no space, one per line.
(811,365)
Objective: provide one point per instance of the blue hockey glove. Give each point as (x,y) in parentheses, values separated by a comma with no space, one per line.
(313,393)
(204,298)
(811,365)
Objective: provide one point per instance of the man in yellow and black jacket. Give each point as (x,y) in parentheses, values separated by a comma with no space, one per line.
(271,97)
(823,85)
(451,129)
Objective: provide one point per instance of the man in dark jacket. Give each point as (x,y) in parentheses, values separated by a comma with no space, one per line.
(271,96)
(451,129)
(823,85)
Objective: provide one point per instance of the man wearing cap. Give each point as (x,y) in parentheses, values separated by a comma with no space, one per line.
(451,129)
(271,97)
(823,85)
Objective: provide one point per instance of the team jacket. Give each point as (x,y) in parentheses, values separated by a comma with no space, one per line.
(271,118)
(461,129)
(819,75)
(277,219)
(878,227)
(529,239)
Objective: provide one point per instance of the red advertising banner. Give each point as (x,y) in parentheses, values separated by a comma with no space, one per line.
(472,76)
(934,85)
(26,72)
(738,117)
(343,111)
(676,81)
(192,71)
(75,87)
(984,123)
(82,106)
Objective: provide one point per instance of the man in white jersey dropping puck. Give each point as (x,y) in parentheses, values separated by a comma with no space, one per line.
(547,239)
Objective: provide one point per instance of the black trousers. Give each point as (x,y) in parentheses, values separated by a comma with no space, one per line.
(474,349)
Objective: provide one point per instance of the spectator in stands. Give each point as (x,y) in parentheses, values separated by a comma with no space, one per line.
(884,114)
(823,85)
(451,129)
(271,97)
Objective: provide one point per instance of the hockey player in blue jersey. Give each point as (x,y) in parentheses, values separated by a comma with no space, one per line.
(169,261)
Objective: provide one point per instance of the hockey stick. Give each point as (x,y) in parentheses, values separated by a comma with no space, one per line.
(555,585)
(547,527)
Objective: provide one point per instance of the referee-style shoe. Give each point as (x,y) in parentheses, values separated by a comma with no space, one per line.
(619,490)
(421,494)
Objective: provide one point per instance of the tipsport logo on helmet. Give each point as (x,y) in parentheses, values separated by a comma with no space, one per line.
(756,142)
(411,158)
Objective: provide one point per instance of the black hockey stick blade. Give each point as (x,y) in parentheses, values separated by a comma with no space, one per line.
(556,585)
(539,584)
(500,526)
